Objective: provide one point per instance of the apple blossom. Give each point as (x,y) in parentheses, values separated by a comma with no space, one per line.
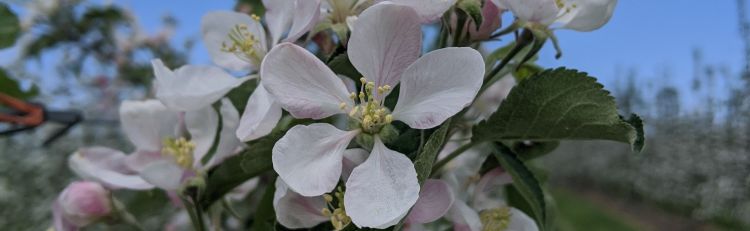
(384,45)
(580,15)
(80,204)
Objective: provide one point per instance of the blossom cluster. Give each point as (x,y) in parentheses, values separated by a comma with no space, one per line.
(337,165)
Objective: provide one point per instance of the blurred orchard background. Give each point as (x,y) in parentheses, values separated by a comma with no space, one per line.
(684,65)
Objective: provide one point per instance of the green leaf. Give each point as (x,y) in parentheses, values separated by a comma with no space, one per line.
(560,104)
(12,88)
(473,8)
(265,216)
(530,150)
(342,66)
(524,181)
(240,168)
(10,28)
(423,163)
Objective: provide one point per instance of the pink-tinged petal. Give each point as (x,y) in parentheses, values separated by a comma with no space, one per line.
(202,125)
(381,190)
(85,202)
(519,221)
(279,16)
(435,199)
(228,142)
(306,15)
(537,11)
(302,84)
(295,211)
(428,10)
(216,27)
(352,158)
(58,220)
(147,122)
(438,85)
(106,166)
(463,217)
(165,174)
(240,192)
(587,15)
(489,101)
(192,87)
(261,115)
(139,159)
(490,184)
(308,158)
(386,39)
(491,21)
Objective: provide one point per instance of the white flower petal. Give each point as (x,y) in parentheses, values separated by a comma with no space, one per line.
(428,10)
(279,15)
(489,101)
(435,199)
(165,174)
(489,185)
(306,14)
(302,84)
(192,87)
(261,115)
(295,211)
(381,190)
(352,158)
(537,11)
(202,125)
(308,158)
(386,39)
(519,221)
(138,160)
(464,218)
(106,166)
(146,123)
(228,142)
(438,85)
(587,15)
(216,26)
(240,192)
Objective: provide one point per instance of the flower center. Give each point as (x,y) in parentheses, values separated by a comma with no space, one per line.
(338,217)
(180,149)
(244,44)
(495,219)
(564,7)
(369,113)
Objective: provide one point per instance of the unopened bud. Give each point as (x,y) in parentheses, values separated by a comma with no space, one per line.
(83,203)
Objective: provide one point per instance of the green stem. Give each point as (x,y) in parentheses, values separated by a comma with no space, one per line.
(451,156)
(195,212)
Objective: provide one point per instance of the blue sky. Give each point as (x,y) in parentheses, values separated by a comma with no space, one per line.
(651,36)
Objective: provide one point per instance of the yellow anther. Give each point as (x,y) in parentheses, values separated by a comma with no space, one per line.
(342,106)
(255,17)
(363,80)
(328,197)
(354,111)
(388,119)
(244,44)
(326,212)
(181,150)
(353,95)
(495,219)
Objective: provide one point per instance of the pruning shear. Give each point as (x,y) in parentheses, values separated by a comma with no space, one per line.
(25,116)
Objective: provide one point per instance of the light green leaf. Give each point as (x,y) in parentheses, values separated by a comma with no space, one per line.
(10,28)
(423,162)
(525,182)
(560,104)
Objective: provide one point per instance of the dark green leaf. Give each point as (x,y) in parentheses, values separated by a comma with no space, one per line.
(423,163)
(527,150)
(264,215)
(240,168)
(341,65)
(10,28)
(11,87)
(560,104)
(524,181)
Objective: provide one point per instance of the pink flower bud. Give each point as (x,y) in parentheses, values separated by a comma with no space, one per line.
(82,203)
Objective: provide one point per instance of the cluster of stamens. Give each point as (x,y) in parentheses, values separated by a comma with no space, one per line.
(180,149)
(567,8)
(337,214)
(370,111)
(244,44)
(495,219)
